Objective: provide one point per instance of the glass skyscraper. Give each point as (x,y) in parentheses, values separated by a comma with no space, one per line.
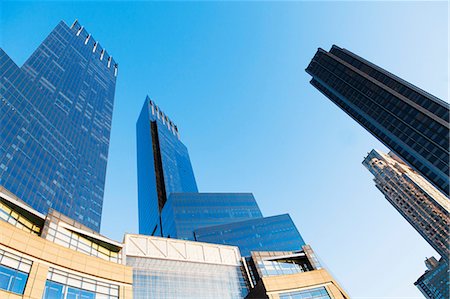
(185,212)
(55,123)
(163,166)
(435,282)
(411,122)
(275,233)
(171,206)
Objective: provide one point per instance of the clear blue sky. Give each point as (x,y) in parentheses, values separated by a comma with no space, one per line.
(231,76)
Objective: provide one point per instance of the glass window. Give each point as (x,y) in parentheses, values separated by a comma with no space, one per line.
(62,285)
(12,280)
(53,290)
(317,293)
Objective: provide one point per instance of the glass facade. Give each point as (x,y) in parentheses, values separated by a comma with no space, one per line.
(14,272)
(157,278)
(409,121)
(186,212)
(275,233)
(55,115)
(316,293)
(63,285)
(164,166)
(284,266)
(435,283)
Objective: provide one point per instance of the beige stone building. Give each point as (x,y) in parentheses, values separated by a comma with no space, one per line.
(290,275)
(52,256)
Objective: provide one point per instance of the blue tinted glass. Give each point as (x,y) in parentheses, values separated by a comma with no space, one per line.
(73,293)
(87,295)
(20,280)
(183,213)
(53,290)
(6,277)
(54,142)
(164,166)
(317,293)
(276,233)
(12,280)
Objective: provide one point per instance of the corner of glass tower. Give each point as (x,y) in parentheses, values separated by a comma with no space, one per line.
(164,166)
(56,116)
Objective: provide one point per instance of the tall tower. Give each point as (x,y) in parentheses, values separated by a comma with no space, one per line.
(411,122)
(163,166)
(55,120)
(171,206)
(422,205)
(434,283)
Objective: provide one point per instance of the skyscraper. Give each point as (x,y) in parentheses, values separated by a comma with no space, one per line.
(435,282)
(411,122)
(171,206)
(55,120)
(419,202)
(163,166)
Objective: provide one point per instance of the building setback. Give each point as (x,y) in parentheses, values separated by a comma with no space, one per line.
(290,275)
(274,233)
(171,206)
(419,202)
(411,122)
(183,213)
(55,120)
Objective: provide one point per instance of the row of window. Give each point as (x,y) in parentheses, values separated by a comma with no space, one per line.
(63,285)
(66,238)
(317,293)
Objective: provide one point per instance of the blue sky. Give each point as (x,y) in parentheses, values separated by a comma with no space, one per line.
(231,76)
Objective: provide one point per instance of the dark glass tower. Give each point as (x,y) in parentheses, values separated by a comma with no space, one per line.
(55,123)
(435,282)
(163,166)
(411,122)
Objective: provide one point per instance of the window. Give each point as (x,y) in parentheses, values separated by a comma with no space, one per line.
(317,293)
(63,285)
(13,272)
(12,280)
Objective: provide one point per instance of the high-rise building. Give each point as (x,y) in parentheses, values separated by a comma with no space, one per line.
(274,233)
(170,268)
(411,122)
(419,202)
(183,213)
(55,123)
(171,206)
(163,166)
(290,275)
(435,282)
